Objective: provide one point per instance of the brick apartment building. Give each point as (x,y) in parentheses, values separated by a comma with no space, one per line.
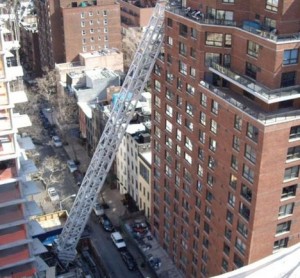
(226,131)
(67,28)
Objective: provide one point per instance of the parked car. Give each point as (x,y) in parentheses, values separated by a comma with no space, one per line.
(53,195)
(154,261)
(118,240)
(72,165)
(98,209)
(56,141)
(129,260)
(78,176)
(106,223)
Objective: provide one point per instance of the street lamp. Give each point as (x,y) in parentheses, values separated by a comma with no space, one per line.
(60,206)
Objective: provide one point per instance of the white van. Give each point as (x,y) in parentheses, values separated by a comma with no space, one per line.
(118,240)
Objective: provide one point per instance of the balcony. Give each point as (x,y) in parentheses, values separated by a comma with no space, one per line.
(13,72)
(11,235)
(245,106)
(21,120)
(8,170)
(266,95)
(9,194)
(3,94)
(5,120)
(200,17)
(252,27)
(11,215)
(15,255)
(7,146)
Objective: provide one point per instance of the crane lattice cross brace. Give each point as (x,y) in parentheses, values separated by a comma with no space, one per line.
(121,114)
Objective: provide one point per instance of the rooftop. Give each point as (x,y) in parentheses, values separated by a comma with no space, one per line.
(103,52)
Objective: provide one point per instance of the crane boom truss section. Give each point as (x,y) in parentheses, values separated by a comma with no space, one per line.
(121,114)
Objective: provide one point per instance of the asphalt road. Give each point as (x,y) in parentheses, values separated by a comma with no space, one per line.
(109,254)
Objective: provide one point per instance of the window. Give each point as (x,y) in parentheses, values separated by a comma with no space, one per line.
(295,132)
(169,126)
(290,57)
(157,85)
(272,5)
(229,216)
(91,22)
(193,33)
(228,1)
(82,24)
(233,181)
(202,136)
(178,134)
(242,228)
(169,58)
(105,13)
(193,52)
(208,212)
(203,118)
(212,144)
(236,143)
(82,15)
(200,170)
(248,173)
(188,158)
(213,126)
(209,196)
(203,102)
(189,124)
(228,233)
(190,89)
(246,192)
(238,123)
(288,79)
(214,107)
(250,153)
(293,153)
(83,32)
(211,58)
(201,154)
(169,22)
(179,102)
(227,41)
(187,175)
(92,30)
(157,116)
(144,172)
(169,110)
(189,109)
(182,48)
(169,95)
(206,227)
(157,101)
(286,210)
(178,118)
(157,70)
(283,227)
(281,243)
(252,132)
(231,199)
(253,49)
(234,162)
(188,143)
(244,211)
(157,132)
(214,39)
(238,261)
(90,13)
(192,72)
(289,191)
(271,23)
(240,245)
(183,30)
(251,70)
(179,84)
(169,142)
(291,173)
(226,249)
(182,68)
(170,40)
(205,242)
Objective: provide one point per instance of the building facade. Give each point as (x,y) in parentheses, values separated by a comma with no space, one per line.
(67,28)
(226,124)
(19,251)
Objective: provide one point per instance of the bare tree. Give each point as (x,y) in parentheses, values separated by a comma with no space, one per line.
(50,171)
(46,86)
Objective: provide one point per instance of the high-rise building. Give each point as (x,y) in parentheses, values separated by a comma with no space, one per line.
(67,28)
(19,251)
(226,133)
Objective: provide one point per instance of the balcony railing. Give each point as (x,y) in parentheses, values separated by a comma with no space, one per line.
(265,94)
(260,116)
(207,19)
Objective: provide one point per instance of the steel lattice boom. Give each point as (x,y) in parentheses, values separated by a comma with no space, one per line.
(112,135)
